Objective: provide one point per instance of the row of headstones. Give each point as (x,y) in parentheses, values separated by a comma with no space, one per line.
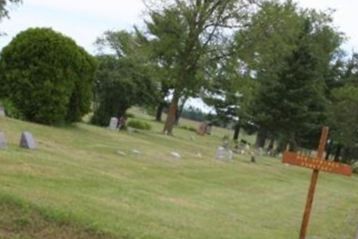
(27,141)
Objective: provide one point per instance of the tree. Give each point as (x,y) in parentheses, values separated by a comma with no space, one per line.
(193,33)
(123,79)
(230,92)
(291,61)
(344,119)
(47,76)
(4,11)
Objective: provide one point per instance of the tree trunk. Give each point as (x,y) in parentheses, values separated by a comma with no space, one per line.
(261,138)
(271,144)
(169,123)
(338,153)
(329,149)
(158,115)
(292,142)
(180,110)
(237,131)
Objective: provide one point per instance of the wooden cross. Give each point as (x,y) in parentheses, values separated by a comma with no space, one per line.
(317,164)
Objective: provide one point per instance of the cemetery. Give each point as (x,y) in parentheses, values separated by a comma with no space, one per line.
(211,119)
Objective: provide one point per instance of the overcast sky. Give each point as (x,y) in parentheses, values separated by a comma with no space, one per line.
(85,20)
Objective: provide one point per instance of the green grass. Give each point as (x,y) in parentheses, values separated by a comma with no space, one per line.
(77,178)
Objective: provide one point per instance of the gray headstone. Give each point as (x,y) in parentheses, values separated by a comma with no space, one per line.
(113,123)
(220,153)
(3,142)
(27,141)
(224,154)
(2,112)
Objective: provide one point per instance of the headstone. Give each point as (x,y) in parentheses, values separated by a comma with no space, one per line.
(113,123)
(199,155)
(175,155)
(229,154)
(202,130)
(2,112)
(220,153)
(135,151)
(224,154)
(3,143)
(121,153)
(27,141)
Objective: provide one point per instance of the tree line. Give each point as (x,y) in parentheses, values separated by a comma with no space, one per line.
(267,65)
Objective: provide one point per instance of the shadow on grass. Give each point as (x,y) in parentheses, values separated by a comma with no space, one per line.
(19,219)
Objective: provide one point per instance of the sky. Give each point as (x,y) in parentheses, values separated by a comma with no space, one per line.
(85,20)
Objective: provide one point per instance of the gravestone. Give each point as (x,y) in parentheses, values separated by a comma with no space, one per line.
(113,123)
(136,152)
(121,153)
(220,153)
(2,112)
(175,155)
(223,154)
(27,141)
(3,143)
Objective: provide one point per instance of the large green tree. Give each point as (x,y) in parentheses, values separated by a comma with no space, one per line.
(189,33)
(124,77)
(47,76)
(291,51)
(344,120)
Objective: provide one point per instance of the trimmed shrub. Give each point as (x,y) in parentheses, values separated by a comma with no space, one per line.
(47,76)
(139,125)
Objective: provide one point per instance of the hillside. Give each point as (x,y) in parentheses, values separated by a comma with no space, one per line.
(89,182)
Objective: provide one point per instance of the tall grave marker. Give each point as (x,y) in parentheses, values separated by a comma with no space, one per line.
(317,164)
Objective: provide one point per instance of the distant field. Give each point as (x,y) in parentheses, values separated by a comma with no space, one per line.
(77,185)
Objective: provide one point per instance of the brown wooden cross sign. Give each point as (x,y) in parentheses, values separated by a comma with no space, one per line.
(317,164)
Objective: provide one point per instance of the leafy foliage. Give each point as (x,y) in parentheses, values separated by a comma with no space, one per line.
(345,115)
(121,82)
(4,7)
(187,38)
(10,109)
(47,76)
(290,61)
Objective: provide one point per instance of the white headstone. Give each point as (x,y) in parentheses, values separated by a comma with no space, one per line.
(199,155)
(2,112)
(27,141)
(220,153)
(121,153)
(135,151)
(113,123)
(3,142)
(175,155)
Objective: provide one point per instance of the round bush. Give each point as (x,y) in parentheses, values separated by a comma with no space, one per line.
(47,76)
(139,125)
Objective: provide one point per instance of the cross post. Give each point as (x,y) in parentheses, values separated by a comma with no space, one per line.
(317,164)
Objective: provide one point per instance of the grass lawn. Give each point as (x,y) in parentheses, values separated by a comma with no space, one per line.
(77,185)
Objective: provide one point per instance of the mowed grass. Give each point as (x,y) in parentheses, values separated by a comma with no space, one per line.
(77,180)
